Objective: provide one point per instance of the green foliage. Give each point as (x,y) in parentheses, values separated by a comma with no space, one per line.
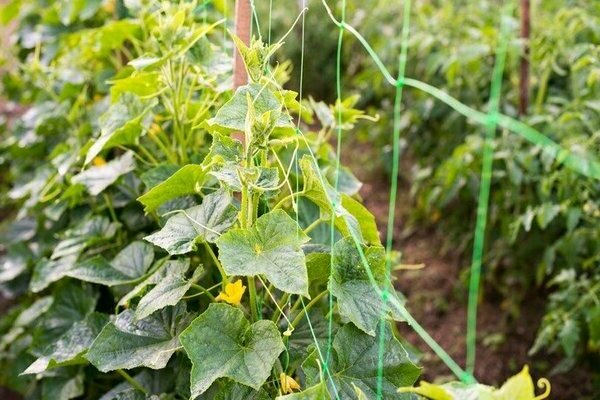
(543,217)
(134,203)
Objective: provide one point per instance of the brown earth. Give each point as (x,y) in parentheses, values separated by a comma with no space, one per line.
(437,297)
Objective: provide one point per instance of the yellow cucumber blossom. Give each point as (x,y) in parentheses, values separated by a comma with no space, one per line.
(233,293)
(109,6)
(99,161)
(154,129)
(288,384)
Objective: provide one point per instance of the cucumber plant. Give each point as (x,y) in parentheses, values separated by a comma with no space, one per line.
(153,255)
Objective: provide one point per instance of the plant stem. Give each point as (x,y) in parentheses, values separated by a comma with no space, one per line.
(253,301)
(135,384)
(312,226)
(224,276)
(301,314)
(203,290)
(280,305)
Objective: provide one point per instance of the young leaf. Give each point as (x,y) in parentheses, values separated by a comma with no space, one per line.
(350,284)
(222,343)
(232,116)
(356,360)
(271,247)
(205,222)
(71,345)
(316,392)
(96,179)
(167,292)
(231,175)
(121,124)
(188,180)
(127,343)
(351,216)
(518,387)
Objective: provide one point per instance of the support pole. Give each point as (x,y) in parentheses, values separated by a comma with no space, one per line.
(524,70)
(243,15)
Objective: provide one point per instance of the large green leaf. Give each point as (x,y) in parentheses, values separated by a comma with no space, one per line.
(71,345)
(357,299)
(271,247)
(72,303)
(129,264)
(222,343)
(127,343)
(187,180)
(47,271)
(201,223)
(98,178)
(355,362)
(121,124)
(232,116)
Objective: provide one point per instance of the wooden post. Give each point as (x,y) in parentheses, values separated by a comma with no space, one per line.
(524,70)
(243,14)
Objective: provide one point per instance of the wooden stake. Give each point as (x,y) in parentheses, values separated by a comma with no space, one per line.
(524,70)
(243,14)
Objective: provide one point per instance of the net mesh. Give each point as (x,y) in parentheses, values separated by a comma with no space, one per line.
(490,121)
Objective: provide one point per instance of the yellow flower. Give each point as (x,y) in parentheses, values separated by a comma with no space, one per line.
(109,6)
(233,293)
(99,161)
(154,129)
(288,384)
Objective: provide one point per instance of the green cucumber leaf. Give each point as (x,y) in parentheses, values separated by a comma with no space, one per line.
(355,363)
(231,176)
(46,272)
(72,303)
(224,148)
(69,347)
(167,292)
(226,389)
(350,284)
(187,180)
(351,217)
(129,264)
(127,343)
(232,116)
(63,384)
(168,268)
(143,84)
(271,247)
(122,124)
(205,222)
(316,392)
(98,178)
(222,343)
